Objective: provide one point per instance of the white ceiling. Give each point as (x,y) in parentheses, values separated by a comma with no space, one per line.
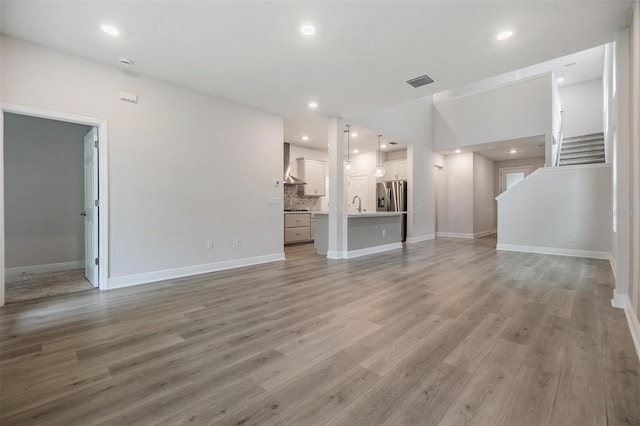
(358,60)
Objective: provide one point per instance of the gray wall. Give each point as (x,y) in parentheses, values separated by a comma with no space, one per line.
(559,208)
(44,191)
(484,204)
(171,158)
(456,195)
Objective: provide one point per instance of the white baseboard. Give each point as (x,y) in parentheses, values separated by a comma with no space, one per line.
(371,250)
(43,269)
(130,280)
(634,326)
(454,235)
(421,238)
(622,301)
(484,233)
(592,254)
(331,254)
(619,300)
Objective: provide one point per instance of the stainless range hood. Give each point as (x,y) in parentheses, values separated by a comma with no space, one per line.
(288,179)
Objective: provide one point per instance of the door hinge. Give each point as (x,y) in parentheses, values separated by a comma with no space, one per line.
(97,203)
(95,143)
(97,261)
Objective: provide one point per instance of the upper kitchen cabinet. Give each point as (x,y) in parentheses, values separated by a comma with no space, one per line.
(395,170)
(313,172)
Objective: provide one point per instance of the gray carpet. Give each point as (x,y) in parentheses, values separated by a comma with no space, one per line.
(36,286)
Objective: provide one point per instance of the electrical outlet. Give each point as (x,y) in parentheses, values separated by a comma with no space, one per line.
(237,243)
(209,245)
(384,232)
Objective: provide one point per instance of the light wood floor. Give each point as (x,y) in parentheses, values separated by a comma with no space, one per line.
(20,288)
(441,332)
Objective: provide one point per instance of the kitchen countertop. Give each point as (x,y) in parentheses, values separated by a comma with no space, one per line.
(351,215)
(314,212)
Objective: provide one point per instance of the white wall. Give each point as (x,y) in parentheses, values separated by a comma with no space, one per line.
(44,191)
(410,123)
(620,126)
(582,105)
(456,214)
(184,167)
(484,203)
(634,290)
(555,205)
(511,112)
(363,164)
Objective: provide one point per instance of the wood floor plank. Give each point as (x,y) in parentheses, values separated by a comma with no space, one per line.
(446,331)
(531,400)
(483,397)
(470,353)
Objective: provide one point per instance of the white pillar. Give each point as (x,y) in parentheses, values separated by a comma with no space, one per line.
(421,186)
(337,218)
(622,170)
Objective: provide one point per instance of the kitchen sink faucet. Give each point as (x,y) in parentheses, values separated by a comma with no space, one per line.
(359,203)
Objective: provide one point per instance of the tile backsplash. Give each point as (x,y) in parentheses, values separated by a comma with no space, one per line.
(293,200)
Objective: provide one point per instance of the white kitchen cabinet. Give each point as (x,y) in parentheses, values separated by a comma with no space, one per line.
(298,227)
(395,170)
(313,172)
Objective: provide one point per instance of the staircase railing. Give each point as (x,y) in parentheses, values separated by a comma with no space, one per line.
(559,148)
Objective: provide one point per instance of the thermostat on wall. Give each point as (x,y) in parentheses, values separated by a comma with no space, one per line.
(128,97)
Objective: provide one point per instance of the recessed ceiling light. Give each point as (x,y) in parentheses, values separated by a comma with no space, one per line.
(383,146)
(458,151)
(504,35)
(305,138)
(110,29)
(307,29)
(354,134)
(560,79)
(313,105)
(355,151)
(513,151)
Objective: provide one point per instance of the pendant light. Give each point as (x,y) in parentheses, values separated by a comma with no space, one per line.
(379,172)
(347,163)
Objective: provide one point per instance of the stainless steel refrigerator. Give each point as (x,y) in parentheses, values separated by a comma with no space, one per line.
(391,196)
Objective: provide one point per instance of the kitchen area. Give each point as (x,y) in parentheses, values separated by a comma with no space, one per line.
(375,195)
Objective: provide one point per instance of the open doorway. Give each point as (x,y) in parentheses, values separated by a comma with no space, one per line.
(509,176)
(52,233)
(49,220)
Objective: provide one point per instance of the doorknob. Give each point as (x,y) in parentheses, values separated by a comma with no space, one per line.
(83,213)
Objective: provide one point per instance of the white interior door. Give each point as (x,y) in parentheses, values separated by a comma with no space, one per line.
(91,210)
(357,186)
(511,175)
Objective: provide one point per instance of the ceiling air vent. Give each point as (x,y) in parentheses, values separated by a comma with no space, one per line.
(423,80)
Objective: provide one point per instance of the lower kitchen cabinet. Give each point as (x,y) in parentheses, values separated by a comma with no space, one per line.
(295,235)
(298,227)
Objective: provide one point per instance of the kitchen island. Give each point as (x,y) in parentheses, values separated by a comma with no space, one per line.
(367,233)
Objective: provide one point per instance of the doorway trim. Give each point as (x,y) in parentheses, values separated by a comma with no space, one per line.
(103,183)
